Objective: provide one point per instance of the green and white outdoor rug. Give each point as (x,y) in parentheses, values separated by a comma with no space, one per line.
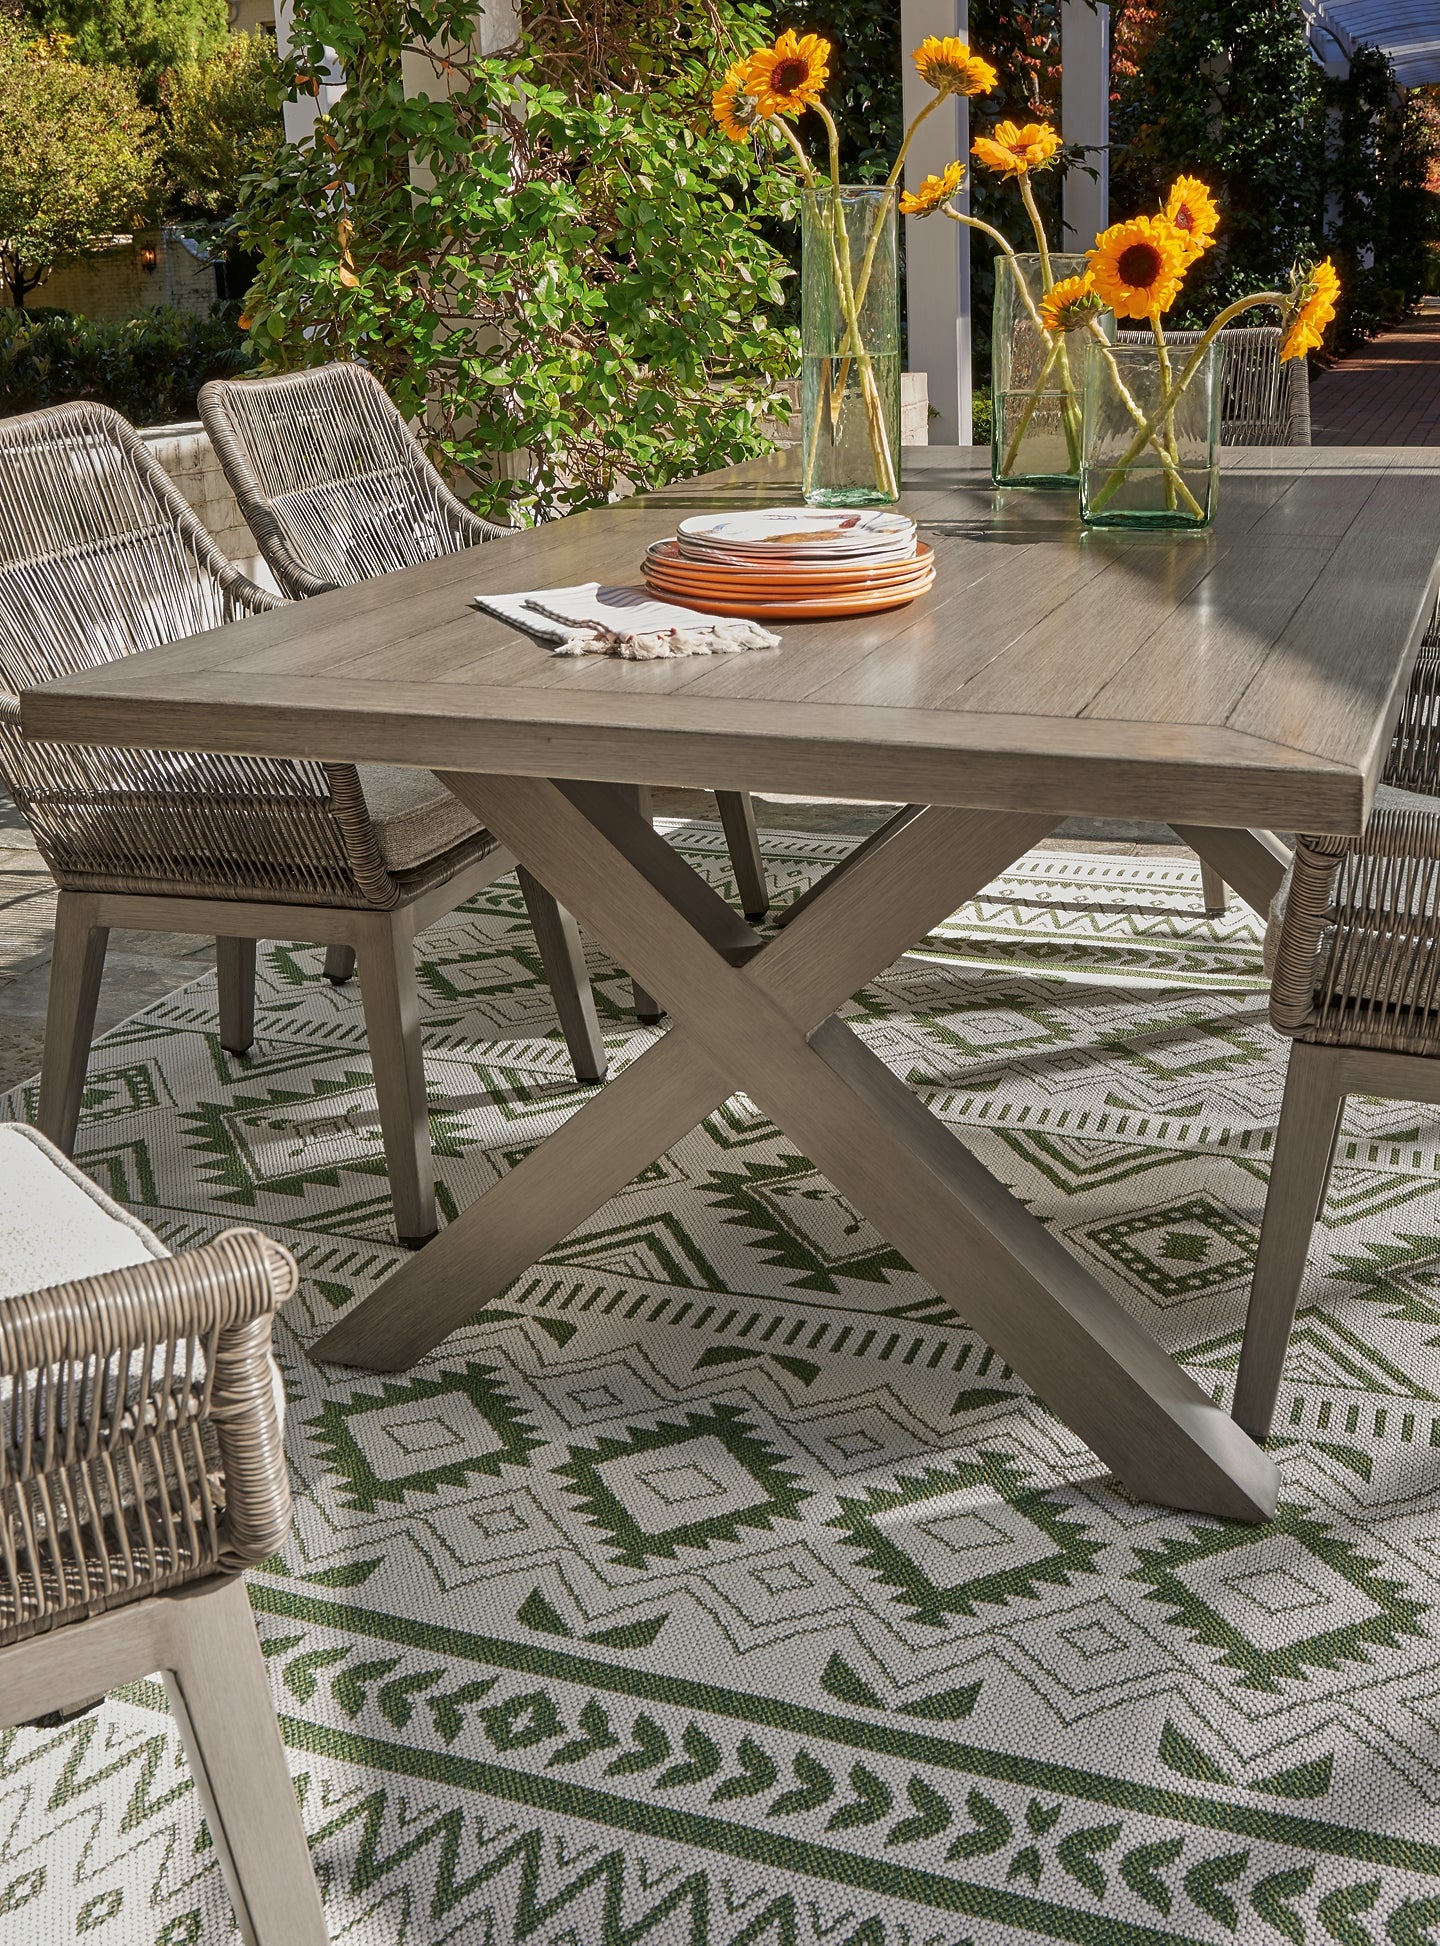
(717,1586)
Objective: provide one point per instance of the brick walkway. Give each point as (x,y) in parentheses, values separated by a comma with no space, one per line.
(1387,394)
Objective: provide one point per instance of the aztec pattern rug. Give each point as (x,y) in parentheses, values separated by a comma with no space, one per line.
(717,1586)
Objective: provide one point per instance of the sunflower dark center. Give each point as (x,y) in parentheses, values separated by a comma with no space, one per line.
(1185,217)
(1020,147)
(1139,265)
(790,75)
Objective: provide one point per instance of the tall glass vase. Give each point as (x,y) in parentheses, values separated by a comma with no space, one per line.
(1161,471)
(850,348)
(1035,384)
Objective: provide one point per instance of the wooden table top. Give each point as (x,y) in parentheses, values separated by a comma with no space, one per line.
(1244,676)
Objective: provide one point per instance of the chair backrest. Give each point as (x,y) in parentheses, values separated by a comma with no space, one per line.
(1262,401)
(332,481)
(140,1445)
(101,557)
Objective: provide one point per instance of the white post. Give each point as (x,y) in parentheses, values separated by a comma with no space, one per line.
(1085,117)
(937,251)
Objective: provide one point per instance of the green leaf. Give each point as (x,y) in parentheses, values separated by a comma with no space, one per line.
(946,1706)
(352,1685)
(814,1786)
(1141,1870)
(932,1814)
(350,1574)
(1042,1817)
(597,1735)
(1301,1781)
(1336,1912)
(1076,1851)
(1409,1924)
(299,1676)
(395,1704)
(631,1635)
(704,1755)
(1271,1899)
(1178,1753)
(1206,1881)
(872,1799)
(652,1746)
(449,1710)
(535,1612)
(842,1681)
(992,1829)
(758,1771)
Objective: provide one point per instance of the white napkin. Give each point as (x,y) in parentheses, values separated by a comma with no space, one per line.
(628,622)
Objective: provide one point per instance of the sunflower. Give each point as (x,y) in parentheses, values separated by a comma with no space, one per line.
(786,78)
(950,68)
(1191,209)
(934,191)
(1312,305)
(1071,304)
(1139,266)
(1014,151)
(734,106)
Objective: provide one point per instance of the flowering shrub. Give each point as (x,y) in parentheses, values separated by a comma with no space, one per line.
(557,268)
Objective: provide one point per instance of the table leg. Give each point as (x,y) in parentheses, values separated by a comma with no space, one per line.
(761,1019)
(1254,862)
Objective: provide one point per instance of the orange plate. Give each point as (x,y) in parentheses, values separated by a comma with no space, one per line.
(815,608)
(664,561)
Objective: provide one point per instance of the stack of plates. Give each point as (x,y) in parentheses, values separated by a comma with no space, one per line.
(790,563)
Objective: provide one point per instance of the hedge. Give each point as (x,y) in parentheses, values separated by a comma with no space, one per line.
(149,366)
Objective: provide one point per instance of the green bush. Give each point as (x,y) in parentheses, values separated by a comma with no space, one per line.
(149,366)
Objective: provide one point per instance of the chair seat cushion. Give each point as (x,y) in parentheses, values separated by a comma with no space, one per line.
(55,1225)
(415,817)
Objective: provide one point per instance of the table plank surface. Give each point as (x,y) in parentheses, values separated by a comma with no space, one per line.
(1243,676)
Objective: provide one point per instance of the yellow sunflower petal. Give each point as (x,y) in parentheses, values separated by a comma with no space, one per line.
(733,105)
(1313,298)
(1139,266)
(1013,150)
(1071,303)
(947,65)
(934,191)
(1190,208)
(786,78)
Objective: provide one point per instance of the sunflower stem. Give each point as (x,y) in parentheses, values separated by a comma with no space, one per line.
(1147,430)
(1132,406)
(1167,437)
(1012,451)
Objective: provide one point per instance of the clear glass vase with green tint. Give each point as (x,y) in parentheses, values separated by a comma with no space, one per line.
(850,347)
(1147,464)
(1035,383)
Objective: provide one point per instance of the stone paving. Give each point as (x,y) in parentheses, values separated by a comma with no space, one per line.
(1385,394)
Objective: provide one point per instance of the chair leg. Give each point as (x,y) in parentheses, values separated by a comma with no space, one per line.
(1299,1175)
(226,1716)
(76,965)
(1213,891)
(648,1010)
(563,958)
(737,817)
(392,1023)
(339,964)
(235,976)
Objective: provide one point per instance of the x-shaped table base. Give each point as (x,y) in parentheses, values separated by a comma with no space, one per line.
(760,1019)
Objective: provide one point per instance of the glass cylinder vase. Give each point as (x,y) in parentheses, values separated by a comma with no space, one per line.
(850,347)
(1034,383)
(1150,450)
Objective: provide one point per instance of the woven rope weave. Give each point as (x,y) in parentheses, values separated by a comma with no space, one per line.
(1262,402)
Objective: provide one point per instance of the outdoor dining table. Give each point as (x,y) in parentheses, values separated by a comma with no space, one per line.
(1236,681)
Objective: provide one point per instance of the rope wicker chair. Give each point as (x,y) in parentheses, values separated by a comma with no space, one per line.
(100,557)
(141,1468)
(336,487)
(1354,951)
(1262,402)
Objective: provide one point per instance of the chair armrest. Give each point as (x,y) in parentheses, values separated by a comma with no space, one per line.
(140,1443)
(1358,958)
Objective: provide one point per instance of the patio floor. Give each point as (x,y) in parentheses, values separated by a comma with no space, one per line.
(1386,394)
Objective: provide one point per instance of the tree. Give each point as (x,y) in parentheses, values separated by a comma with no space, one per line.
(222,123)
(147,35)
(77,157)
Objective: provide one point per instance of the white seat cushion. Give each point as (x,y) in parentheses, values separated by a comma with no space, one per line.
(56,1226)
(415,817)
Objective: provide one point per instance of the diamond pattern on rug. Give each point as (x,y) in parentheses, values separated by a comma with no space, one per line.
(717,1586)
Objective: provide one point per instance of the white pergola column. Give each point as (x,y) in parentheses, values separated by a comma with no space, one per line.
(1085,116)
(937,262)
